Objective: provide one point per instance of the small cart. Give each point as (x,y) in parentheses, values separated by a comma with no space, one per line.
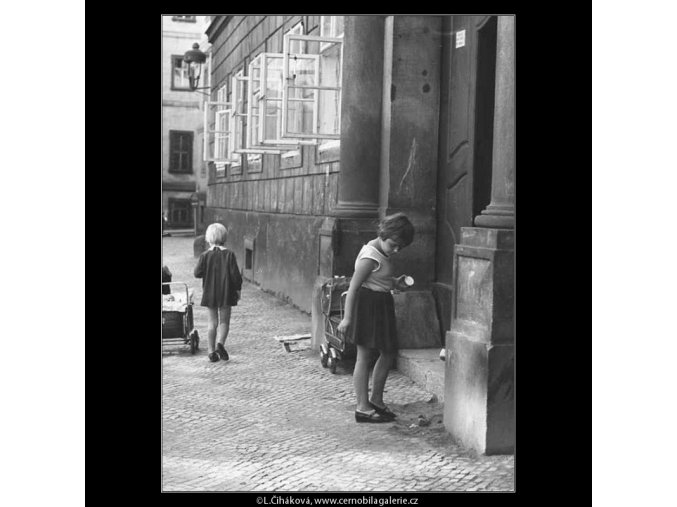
(337,345)
(177,318)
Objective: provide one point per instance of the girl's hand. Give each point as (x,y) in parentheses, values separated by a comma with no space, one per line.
(343,326)
(399,283)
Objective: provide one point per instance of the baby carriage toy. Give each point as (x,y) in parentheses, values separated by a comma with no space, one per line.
(177,318)
(337,346)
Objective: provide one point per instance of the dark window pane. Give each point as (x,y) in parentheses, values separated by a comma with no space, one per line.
(180,151)
(174,162)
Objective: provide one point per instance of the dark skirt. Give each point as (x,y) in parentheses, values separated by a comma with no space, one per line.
(375,320)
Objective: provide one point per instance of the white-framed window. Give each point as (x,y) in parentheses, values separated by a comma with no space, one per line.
(330,26)
(292,98)
(217,130)
(311,102)
(238,87)
(264,106)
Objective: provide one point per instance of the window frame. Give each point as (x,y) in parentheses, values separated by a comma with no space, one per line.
(328,149)
(314,134)
(242,117)
(173,135)
(173,87)
(255,141)
(253,133)
(224,110)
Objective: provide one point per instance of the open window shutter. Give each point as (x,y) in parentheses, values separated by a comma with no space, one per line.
(312,88)
(217,131)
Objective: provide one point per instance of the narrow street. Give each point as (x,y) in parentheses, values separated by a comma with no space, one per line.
(271,420)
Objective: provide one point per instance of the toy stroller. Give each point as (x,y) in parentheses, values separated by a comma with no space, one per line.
(177,318)
(337,345)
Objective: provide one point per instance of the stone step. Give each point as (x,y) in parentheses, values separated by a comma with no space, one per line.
(424,367)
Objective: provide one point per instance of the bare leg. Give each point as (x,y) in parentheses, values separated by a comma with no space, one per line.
(224,324)
(381,369)
(211,329)
(361,378)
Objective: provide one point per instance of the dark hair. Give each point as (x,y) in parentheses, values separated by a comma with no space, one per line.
(398,228)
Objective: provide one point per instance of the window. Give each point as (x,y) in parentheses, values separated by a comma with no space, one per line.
(217,130)
(285,100)
(185,19)
(179,74)
(238,87)
(330,26)
(180,212)
(264,89)
(264,114)
(180,151)
(311,103)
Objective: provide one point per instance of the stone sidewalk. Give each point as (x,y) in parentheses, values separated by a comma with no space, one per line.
(271,420)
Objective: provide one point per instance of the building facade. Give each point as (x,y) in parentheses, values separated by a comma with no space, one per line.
(184,172)
(317,126)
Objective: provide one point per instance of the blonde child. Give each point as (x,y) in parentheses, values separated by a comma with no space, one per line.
(370,313)
(221,286)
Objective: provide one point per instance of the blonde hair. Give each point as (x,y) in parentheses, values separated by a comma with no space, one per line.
(216,234)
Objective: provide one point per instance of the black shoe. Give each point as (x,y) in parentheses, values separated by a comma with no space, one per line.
(385,411)
(213,357)
(370,417)
(221,351)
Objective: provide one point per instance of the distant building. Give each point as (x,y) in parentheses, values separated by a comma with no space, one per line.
(184,173)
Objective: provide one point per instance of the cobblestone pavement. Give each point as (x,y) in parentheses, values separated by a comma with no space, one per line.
(270,420)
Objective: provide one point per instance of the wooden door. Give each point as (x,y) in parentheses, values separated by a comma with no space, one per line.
(466,128)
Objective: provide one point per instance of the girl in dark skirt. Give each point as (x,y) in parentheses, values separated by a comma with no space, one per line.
(221,286)
(370,313)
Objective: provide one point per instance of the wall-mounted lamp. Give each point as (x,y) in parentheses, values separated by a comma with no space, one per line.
(195,60)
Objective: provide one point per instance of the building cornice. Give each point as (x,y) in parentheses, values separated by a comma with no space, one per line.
(181,103)
(182,35)
(216,26)
(178,186)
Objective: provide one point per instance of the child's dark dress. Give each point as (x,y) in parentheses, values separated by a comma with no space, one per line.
(221,277)
(375,325)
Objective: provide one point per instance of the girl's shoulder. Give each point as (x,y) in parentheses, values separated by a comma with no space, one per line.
(372,248)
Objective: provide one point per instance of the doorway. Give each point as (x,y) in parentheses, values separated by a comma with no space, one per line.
(466,139)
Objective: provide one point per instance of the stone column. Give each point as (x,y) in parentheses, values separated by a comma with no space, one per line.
(479,377)
(501,211)
(362,89)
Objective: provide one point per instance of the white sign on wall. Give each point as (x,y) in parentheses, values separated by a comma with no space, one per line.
(460,39)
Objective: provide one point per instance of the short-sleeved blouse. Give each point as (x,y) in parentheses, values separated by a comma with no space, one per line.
(381,277)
